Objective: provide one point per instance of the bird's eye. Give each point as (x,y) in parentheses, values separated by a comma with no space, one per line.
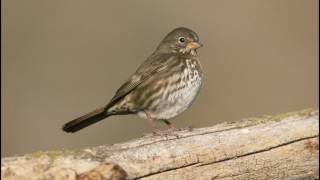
(181,39)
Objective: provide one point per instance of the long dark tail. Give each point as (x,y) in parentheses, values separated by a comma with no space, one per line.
(86,120)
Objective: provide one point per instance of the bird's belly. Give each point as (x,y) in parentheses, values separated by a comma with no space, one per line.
(177,103)
(174,101)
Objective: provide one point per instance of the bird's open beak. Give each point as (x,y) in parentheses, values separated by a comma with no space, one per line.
(194,45)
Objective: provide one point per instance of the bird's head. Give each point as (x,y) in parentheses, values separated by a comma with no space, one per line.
(180,40)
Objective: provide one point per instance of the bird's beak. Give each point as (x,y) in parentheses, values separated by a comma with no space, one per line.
(194,45)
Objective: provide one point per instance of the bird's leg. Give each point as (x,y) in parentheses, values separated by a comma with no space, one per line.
(157,131)
(171,127)
(153,126)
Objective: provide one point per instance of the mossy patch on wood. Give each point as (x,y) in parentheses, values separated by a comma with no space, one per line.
(53,154)
(268,118)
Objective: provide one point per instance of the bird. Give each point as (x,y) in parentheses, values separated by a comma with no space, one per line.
(163,86)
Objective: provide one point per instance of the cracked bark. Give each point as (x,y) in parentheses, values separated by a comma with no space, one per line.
(284,146)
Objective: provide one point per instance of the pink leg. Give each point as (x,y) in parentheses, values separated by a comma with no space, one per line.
(153,126)
(157,131)
(171,127)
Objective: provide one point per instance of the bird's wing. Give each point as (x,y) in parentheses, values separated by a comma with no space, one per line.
(150,67)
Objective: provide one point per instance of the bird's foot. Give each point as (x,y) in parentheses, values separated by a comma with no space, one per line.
(166,133)
(172,128)
(189,128)
(171,131)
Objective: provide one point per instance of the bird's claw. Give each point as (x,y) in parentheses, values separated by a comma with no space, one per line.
(166,133)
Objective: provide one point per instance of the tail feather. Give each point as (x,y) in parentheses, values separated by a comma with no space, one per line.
(86,120)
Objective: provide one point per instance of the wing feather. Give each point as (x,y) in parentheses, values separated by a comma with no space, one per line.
(153,65)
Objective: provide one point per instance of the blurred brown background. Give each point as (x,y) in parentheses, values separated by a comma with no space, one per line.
(62,59)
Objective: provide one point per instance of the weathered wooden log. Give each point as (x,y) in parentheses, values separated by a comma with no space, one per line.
(284,146)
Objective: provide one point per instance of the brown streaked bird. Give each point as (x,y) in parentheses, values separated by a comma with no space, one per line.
(163,87)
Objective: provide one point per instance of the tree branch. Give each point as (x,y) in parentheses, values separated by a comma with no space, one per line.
(271,147)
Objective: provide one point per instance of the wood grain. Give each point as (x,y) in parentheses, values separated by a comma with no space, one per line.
(284,146)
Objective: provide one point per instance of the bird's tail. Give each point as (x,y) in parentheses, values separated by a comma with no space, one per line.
(85,120)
